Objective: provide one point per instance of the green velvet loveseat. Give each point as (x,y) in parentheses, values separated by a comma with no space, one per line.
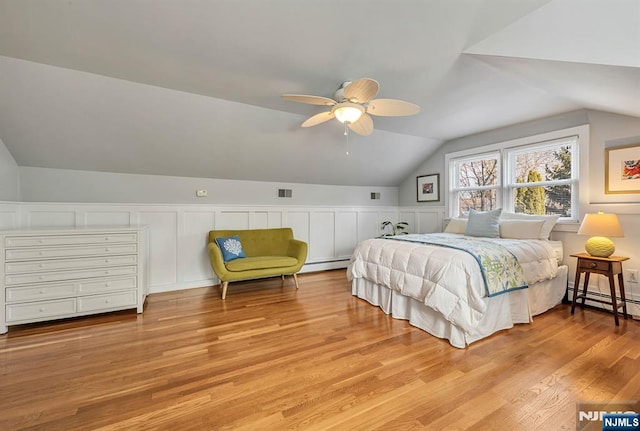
(269,252)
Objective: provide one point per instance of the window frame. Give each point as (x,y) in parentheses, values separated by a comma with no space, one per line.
(454,177)
(511,148)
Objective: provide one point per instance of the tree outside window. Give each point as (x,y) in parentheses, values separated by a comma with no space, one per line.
(539,179)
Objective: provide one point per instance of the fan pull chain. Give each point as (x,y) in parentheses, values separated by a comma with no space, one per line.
(346,133)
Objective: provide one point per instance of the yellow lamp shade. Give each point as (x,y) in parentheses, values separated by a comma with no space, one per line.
(600,227)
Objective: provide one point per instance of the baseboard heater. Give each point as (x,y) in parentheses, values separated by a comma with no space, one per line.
(325,265)
(598,306)
(602,295)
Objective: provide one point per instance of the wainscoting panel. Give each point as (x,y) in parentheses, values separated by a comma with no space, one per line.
(346,233)
(178,234)
(52,218)
(368,225)
(430,222)
(389,215)
(424,219)
(410,218)
(300,223)
(275,219)
(193,257)
(9,216)
(322,236)
(233,220)
(103,218)
(163,243)
(259,220)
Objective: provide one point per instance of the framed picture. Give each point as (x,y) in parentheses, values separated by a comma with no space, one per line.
(428,188)
(622,169)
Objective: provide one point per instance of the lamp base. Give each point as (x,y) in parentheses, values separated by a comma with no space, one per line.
(600,246)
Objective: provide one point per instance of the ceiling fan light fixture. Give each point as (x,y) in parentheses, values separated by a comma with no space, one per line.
(347,112)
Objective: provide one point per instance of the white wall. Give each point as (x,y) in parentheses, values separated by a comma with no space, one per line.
(331,219)
(8,175)
(435,163)
(605,130)
(179,233)
(64,185)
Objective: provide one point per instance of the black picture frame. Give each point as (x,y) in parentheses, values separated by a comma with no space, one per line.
(428,188)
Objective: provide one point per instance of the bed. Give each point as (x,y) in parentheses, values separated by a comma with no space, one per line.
(438,285)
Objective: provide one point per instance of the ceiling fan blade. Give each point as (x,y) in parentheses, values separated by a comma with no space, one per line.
(364,126)
(392,108)
(362,90)
(311,100)
(318,119)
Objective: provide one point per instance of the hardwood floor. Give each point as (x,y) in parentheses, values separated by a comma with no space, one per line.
(270,357)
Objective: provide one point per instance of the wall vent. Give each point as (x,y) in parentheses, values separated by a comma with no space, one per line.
(285,193)
(375,195)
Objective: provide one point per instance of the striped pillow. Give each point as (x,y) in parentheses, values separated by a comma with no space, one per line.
(485,224)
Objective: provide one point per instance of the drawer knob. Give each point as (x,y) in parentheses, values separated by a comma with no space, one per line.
(41,277)
(106,301)
(106,285)
(41,310)
(106,272)
(106,249)
(42,291)
(41,265)
(593,264)
(106,261)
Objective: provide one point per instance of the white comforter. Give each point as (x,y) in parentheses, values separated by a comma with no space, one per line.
(448,280)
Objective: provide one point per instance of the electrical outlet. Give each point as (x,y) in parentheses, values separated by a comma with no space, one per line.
(631,275)
(201,193)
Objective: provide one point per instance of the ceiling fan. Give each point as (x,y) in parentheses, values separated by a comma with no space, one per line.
(353,105)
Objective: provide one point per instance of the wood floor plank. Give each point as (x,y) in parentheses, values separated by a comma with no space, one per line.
(273,357)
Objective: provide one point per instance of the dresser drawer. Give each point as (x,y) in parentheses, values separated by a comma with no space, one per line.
(81,251)
(69,289)
(46,291)
(12,280)
(102,285)
(594,265)
(40,310)
(77,263)
(33,241)
(106,302)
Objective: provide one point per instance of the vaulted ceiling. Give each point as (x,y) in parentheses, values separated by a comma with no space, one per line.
(192,87)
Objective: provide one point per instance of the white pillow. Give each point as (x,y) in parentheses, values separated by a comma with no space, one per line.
(521,229)
(483,223)
(456,225)
(549,221)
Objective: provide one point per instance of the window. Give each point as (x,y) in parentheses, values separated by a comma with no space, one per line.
(532,178)
(541,178)
(476,183)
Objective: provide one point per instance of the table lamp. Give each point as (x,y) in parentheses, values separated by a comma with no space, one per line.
(600,227)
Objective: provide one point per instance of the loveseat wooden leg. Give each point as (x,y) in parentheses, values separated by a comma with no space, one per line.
(225,284)
(295,278)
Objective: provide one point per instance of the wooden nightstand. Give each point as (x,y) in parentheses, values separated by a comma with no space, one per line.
(608,266)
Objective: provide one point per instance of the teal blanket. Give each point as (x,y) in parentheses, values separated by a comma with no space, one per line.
(500,269)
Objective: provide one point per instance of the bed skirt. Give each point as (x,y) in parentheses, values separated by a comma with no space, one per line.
(503,311)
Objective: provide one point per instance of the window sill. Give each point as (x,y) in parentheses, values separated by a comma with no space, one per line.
(567,226)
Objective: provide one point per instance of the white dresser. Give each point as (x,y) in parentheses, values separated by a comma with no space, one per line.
(57,273)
